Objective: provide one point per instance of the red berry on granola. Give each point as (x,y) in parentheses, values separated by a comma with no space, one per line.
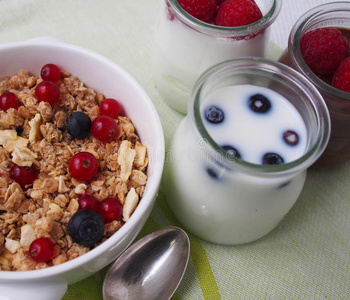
(232,13)
(110,209)
(341,77)
(323,49)
(42,249)
(105,129)
(24,176)
(87,201)
(9,100)
(83,166)
(47,91)
(203,10)
(110,107)
(50,72)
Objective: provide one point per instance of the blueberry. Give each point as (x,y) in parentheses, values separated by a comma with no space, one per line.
(231,150)
(291,137)
(259,103)
(78,124)
(86,227)
(212,173)
(272,159)
(214,114)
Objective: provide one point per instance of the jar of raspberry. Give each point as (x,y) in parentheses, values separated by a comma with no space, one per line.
(238,161)
(318,45)
(191,36)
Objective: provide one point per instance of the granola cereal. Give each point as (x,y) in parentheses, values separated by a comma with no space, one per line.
(35,135)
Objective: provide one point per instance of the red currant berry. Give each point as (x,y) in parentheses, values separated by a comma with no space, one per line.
(51,73)
(42,249)
(88,202)
(105,129)
(47,91)
(110,209)
(83,166)
(110,107)
(24,176)
(8,100)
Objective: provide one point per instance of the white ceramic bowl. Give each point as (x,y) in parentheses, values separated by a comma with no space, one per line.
(104,76)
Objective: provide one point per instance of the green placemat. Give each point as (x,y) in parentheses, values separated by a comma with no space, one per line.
(306,257)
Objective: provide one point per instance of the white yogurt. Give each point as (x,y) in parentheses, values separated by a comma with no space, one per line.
(182,53)
(223,205)
(254,134)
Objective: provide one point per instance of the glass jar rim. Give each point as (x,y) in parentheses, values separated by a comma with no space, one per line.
(234,163)
(296,56)
(222,31)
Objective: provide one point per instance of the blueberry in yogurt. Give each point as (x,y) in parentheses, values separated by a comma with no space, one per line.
(214,114)
(231,150)
(258,122)
(271,158)
(211,172)
(259,103)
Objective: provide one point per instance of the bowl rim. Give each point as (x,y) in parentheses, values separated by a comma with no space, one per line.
(151,188)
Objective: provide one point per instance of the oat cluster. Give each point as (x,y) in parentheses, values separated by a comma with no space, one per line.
(35,134)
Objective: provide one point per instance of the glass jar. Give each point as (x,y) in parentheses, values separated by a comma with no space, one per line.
(184,47)
(336,15)
(224,199)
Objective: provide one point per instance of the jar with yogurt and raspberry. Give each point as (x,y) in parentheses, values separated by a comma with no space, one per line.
(335,17)
(237,162)
(186,46)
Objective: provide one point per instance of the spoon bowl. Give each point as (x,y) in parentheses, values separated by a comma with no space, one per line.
(151,268)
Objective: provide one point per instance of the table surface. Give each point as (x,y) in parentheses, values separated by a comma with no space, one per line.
(306,257)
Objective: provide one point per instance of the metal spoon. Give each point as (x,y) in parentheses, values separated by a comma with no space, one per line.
(151,268)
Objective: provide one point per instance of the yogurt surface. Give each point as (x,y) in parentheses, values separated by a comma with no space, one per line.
(249,129)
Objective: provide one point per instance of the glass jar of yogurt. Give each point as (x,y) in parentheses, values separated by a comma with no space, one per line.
(237,162)
(335,15)
(185,46)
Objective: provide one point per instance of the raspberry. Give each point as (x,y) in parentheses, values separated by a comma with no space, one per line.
(203,10)
(234,13)
(341,77)
(323,49)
